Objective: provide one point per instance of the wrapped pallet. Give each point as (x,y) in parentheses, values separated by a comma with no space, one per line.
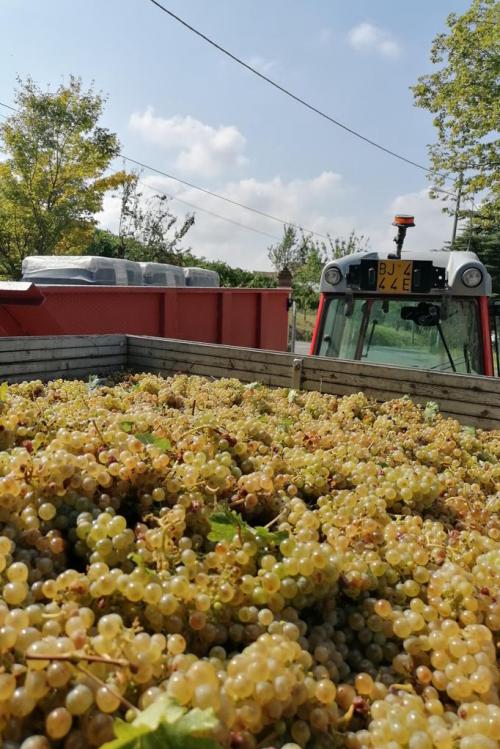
(201,277)
(162,274)
(81,269)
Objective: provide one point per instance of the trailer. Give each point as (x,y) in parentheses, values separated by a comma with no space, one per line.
(255,318)
(472,400)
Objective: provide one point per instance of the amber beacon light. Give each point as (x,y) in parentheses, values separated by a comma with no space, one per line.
(403,220)
(403,223)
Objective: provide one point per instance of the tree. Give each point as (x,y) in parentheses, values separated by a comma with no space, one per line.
(463,95)
(53,180)
(289,252)
(148,230)
(305,257)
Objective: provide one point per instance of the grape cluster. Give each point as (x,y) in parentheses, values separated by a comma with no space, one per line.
(318,571)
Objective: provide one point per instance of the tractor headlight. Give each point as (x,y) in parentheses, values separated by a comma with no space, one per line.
(472,277)
(333,276)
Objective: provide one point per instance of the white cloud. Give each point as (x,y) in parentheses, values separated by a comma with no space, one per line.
(307,202)
(262,64)
(432,226)
(201,149)
(366,37)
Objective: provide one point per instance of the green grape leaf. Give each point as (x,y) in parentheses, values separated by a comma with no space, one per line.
(126,426)
(469,430)
(270,538)
(139,561)
(165,725)
(225,524)
(253,386)
(95,382)
(162,709)
(185,732)
(285,424)
(4,389)
(431,411)
(162,443)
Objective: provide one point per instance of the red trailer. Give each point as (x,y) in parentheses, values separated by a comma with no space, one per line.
(255,318)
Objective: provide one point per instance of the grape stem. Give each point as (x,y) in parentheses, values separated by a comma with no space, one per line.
(273,521)
(102,683)
(98,431)
(76,658)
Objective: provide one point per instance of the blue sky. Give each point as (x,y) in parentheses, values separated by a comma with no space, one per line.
(180,105)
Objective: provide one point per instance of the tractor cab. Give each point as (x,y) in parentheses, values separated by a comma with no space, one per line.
(427,310)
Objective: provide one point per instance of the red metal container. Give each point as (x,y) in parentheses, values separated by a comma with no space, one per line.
(255,318)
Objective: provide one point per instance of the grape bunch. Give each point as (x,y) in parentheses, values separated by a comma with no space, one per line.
(303,571)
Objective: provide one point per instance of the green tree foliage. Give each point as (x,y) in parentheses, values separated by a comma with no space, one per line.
(52,180)
(290,252)
(149,231)
(463,94)
(306,257)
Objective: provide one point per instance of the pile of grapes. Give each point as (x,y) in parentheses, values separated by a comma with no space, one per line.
(189,563)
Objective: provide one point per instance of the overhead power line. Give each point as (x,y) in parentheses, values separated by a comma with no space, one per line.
(210,213)
(281,221)
(293,96)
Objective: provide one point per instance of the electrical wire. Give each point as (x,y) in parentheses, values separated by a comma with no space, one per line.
(210,213)
(293,96)
(281,221)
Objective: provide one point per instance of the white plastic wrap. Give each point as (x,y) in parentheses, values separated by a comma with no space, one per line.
(162,274)
(201,277)
(81,269)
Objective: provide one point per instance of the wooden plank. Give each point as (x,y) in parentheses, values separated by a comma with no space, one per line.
(74,374)
(80,352)
(229,363)
(205,370)
(340,367)
(19,343)
(62,366)
(335,367)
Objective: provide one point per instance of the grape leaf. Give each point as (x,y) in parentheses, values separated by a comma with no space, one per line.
(162,443)
(4,389)
(95,382)
(226,524)
(253,385)
(139,561)
(270,538)
(431,411)
(285,424)
(469,430)
(165,725)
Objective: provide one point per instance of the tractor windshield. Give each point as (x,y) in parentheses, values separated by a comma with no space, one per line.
(407,332)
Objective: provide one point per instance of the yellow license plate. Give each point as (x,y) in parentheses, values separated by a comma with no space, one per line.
(394,276)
